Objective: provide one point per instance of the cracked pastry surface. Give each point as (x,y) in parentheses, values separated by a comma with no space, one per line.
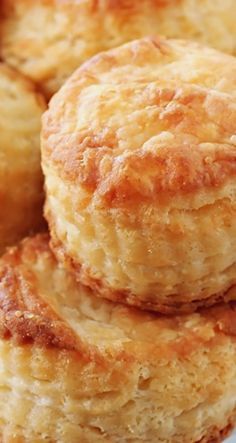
(21,181)
(75,367)
(139,157)
(47,40)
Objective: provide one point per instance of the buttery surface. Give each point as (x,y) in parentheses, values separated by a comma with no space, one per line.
(47,40)
(21,181)
(139,156)
(75,368)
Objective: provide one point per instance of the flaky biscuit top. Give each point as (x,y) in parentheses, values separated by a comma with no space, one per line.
(150,121)
(138,152)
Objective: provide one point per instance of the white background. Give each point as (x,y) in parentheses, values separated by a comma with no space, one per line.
(232,439)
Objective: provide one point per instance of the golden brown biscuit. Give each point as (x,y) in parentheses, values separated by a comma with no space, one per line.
(75,368)
(21,182)
(48,39)
(139,154)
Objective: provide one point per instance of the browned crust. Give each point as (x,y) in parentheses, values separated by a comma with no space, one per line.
(184,170)
(101,289)
(218,435)
(24,316)
(178,167)
(122,5)
(130,6)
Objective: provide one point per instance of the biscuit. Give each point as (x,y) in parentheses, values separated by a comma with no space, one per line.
(139,156)
(76,368)
(21,181)
(48,40)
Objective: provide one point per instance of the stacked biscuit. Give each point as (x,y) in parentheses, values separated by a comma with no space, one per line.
(119,325)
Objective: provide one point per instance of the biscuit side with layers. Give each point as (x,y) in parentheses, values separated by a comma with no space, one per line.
(78,368)
(139,157)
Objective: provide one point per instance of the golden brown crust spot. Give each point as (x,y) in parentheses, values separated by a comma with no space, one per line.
(198,154)
(95,4)
(127,6)
(25,317)
(217,435)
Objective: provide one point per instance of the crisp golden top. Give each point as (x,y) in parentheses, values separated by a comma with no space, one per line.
(151,119)
(41,303)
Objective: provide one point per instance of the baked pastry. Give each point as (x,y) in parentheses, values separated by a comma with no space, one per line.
(76,368)
(47,40)
(21,181)
(139,155)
